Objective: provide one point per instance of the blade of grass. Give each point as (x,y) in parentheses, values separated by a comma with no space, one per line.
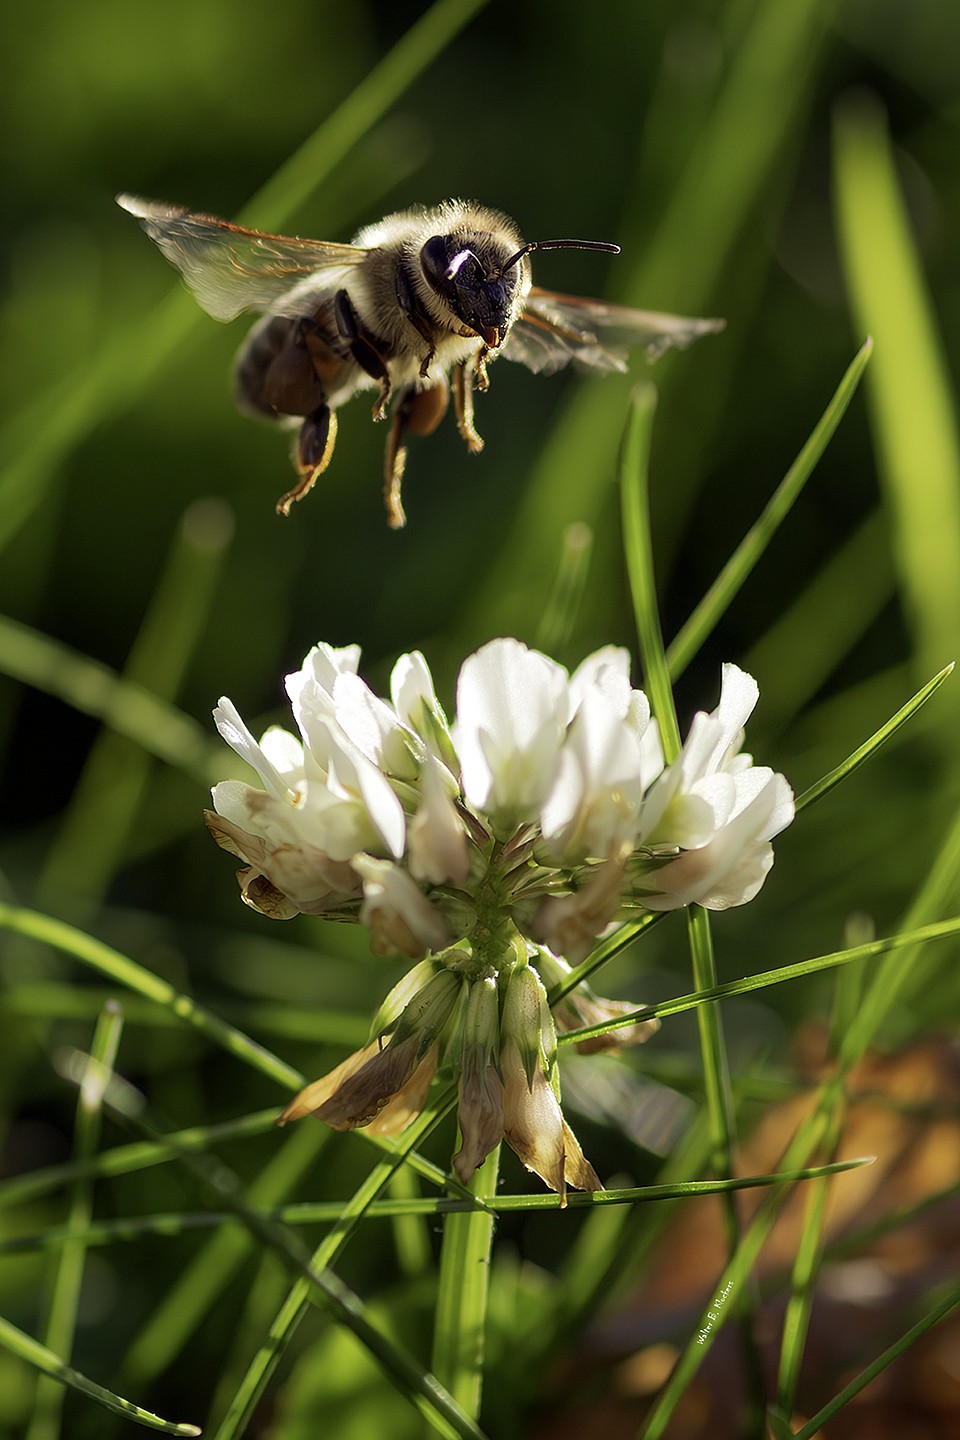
(813,1426)
(705,616)
(58,1337)
(638,551)
(187,1303)
(93,836)
(316,1212)
(94,689)
(44,1360)
(420,1387)
(869,747)
(941,930)
(912,406)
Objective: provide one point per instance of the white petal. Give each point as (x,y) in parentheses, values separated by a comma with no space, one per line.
(238,737)
(512,711)
(437,842)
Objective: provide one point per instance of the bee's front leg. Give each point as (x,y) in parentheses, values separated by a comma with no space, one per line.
(313,453)
(419,411)
(463,406)
(363,348)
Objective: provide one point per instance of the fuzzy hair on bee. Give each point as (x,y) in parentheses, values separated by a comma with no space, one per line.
(418,304)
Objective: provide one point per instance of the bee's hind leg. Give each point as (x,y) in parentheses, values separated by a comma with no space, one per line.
(312,455)
(419,411)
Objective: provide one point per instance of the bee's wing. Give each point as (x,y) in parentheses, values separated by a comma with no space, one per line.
(607,1089)
(555,329)
(230,269)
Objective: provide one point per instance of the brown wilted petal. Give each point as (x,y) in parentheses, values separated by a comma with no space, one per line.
(480,1115)
(257,892)
(312,882)
(319,1091)
(362,1095)
(409,1100)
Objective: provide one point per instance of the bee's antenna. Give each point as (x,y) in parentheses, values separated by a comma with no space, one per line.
(558,245)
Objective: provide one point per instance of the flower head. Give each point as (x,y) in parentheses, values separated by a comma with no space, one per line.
(493,850)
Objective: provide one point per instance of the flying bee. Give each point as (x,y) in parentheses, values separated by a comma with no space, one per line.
(418,301)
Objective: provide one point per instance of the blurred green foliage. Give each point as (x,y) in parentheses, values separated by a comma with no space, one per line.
(791,167)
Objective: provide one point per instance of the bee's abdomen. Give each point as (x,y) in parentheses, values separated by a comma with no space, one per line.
(285,367)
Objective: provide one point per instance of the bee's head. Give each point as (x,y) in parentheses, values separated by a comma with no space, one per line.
(473,282)
(477,278)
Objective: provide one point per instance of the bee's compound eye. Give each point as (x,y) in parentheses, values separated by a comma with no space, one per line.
(435,257)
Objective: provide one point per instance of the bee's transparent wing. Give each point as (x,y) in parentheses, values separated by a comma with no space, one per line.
(231,269)
(607,1089)
(554,330)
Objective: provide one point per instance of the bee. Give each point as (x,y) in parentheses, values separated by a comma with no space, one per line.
(421,300)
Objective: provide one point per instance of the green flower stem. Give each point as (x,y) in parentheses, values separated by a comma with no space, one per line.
(461,1309)
(638,549)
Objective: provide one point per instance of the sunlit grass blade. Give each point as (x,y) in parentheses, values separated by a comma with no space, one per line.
(942,930)
(869,747)
(203,1279)
(462,1285)
(321,1212)
(909,387)
(59,1331)
(939,1311)
(638,550)
(93,837)
(565,595)
(259,1372)
(323,1284)
(806,1266)
(44,1360)
(720,594)
(35,445)
(132,976)
(94,689)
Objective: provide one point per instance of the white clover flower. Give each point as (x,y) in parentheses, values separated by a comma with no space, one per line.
(494,851)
